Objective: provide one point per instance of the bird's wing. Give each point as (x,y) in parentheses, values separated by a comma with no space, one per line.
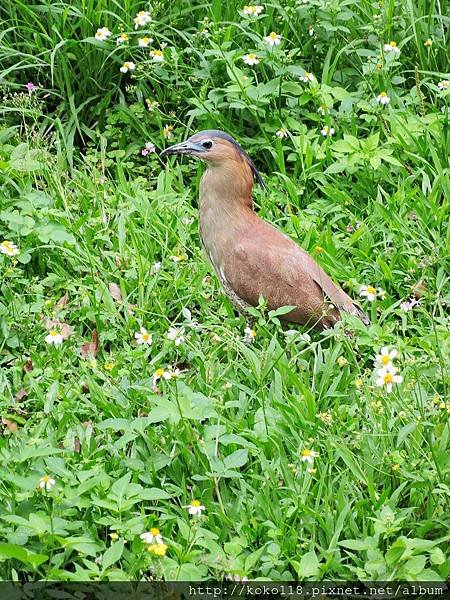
(266,262)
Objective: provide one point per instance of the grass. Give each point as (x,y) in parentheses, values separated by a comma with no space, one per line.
(91,216)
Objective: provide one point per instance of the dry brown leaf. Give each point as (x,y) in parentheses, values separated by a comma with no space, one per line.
(90,348)
(418,289)
(115,292)
(22,393)
(77,445)
(10,425)
(62,302)
(28,366)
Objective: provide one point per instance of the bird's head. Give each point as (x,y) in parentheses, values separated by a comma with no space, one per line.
(216,148)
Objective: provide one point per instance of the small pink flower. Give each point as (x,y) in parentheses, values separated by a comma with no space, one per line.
(408,304)
(149,148)
(31,87)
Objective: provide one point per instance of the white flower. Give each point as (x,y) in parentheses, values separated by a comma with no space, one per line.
(281,133)
(382,293)
(157,55)
(307,77)
(122,38)
(392,47)
(308,456)
(195,508)
(273,39)
(176,335)
(322,110)
(167,131)
(253,9)
(46,483)
(250,59)
(156,267)
(54,337)
(141,19)
(327,131)
(127,66)
(385,357)
(8,248)
(383,98)
(249,335)
(143,337)
(443,85)
(311,30)
(145,41)
(152,536)
(171,373)
(369,292)
(387,377)
(102,34)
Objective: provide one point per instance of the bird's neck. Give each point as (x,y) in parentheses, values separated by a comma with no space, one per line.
(226,190)
(225,208)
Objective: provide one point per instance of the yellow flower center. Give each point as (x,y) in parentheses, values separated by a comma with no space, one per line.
(123,36)
(6,244)
(154,531)
(388,378)
(157,52)
(393,44)
(371,289)
(145,336)
(195,503)
(306,453)
(53,333)
(385,359)
(252,56)
(273,35)
(46,478)
(159,372)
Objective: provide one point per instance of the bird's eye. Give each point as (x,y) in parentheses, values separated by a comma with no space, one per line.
(207,144)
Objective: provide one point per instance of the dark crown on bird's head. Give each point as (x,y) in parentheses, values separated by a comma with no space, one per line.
(212,133)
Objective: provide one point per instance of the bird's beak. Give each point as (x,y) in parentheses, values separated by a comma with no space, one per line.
(184,148)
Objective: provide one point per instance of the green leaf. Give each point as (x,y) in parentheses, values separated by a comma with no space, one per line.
(154,494)
(237,459)
(309,565)
(415,565)
(113,554)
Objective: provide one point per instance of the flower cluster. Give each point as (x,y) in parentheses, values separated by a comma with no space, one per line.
(385,371)
(8,248)
(142,19)
(253,9)
(154,541)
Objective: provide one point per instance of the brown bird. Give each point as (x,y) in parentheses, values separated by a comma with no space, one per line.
(251,257)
